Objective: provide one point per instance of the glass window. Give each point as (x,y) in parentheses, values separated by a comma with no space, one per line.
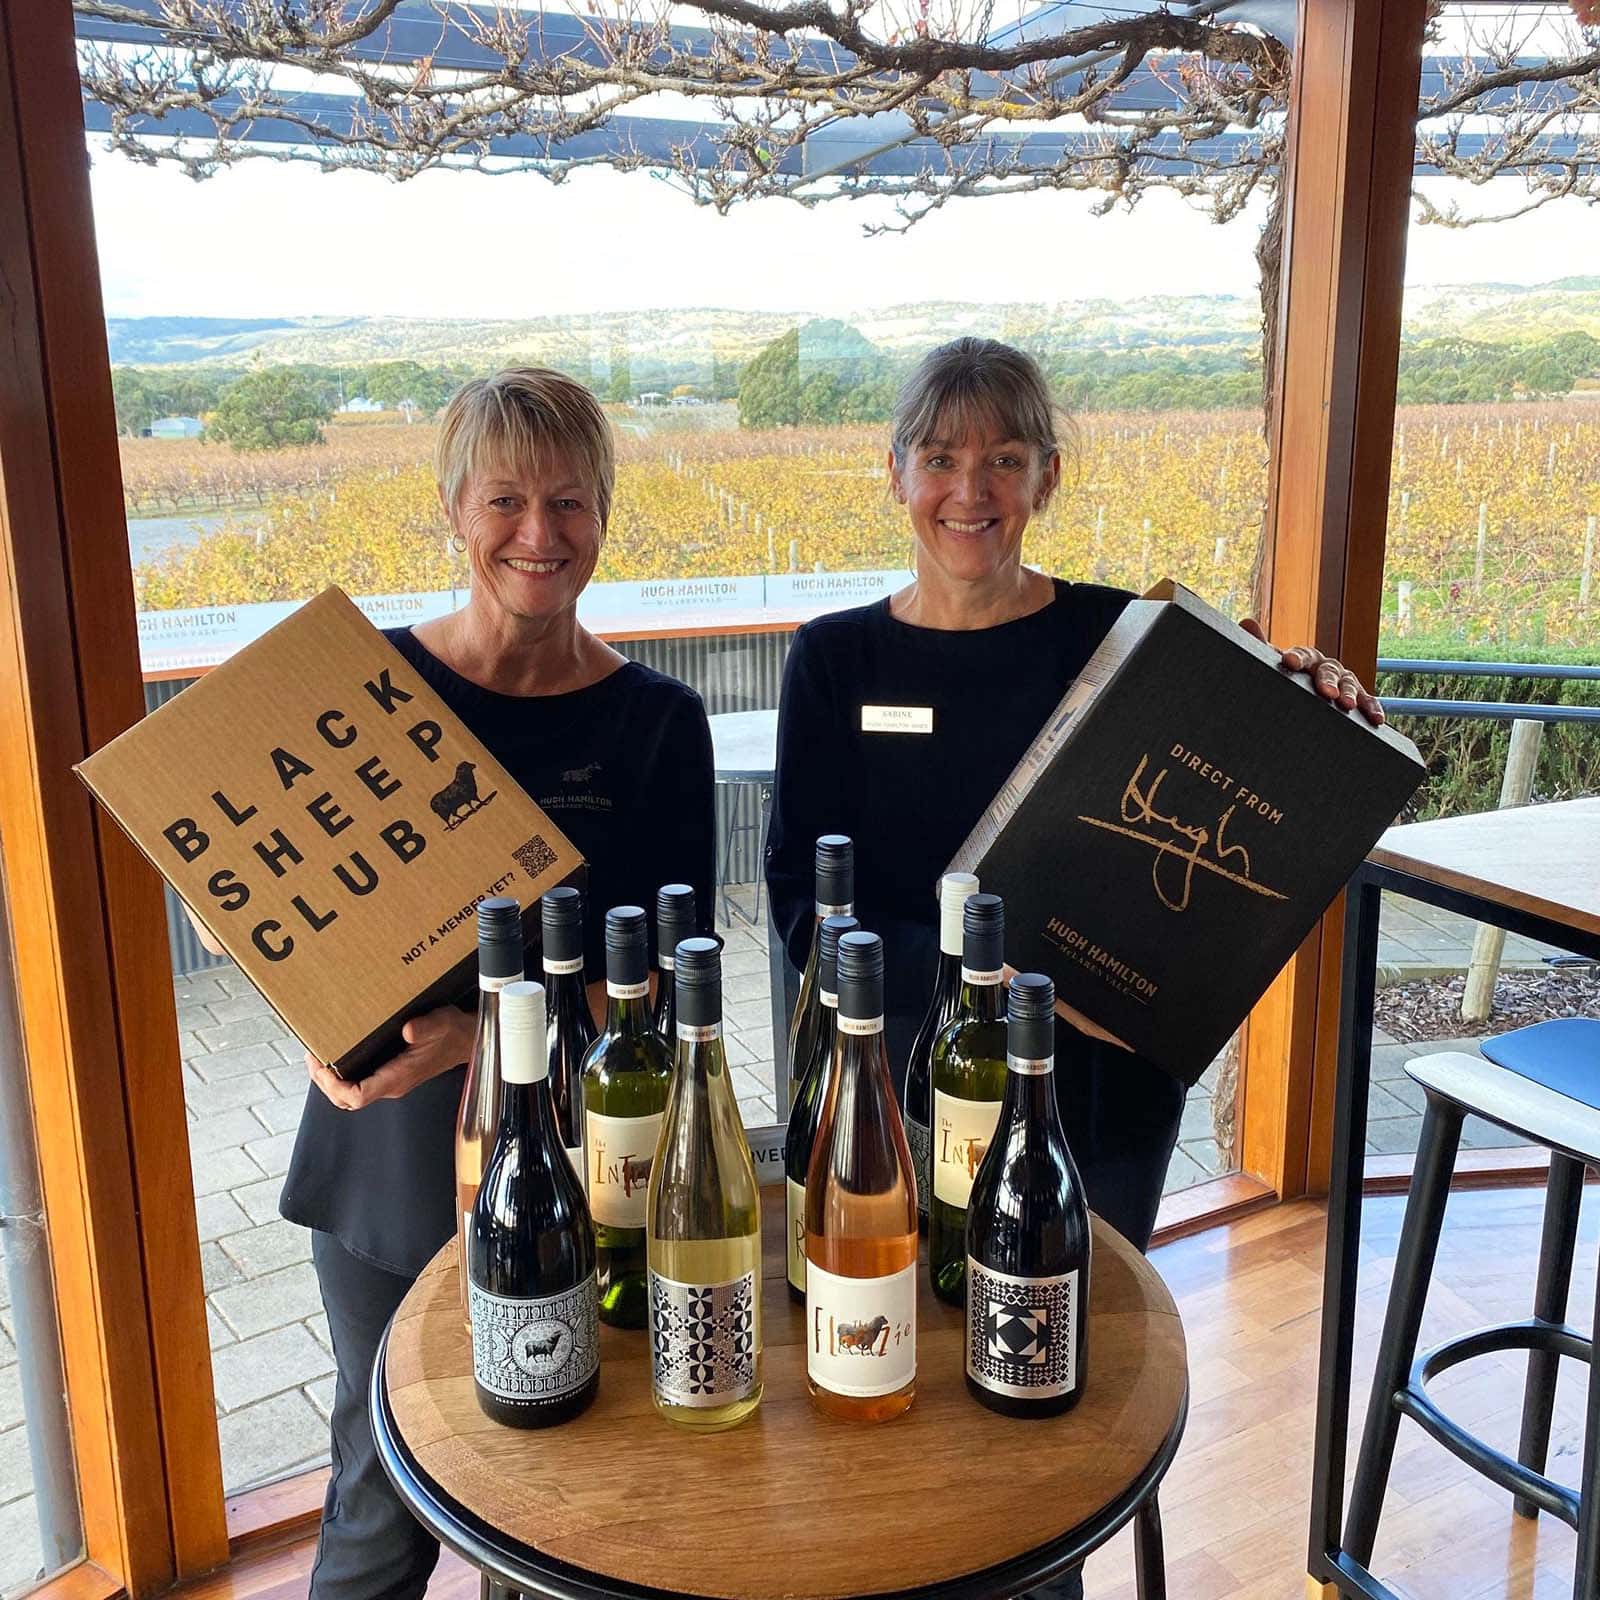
(1491,550)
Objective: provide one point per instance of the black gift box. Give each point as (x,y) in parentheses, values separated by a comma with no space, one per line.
(1179,824)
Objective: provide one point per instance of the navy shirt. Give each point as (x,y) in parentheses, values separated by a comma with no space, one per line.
(624,768)
(909,799)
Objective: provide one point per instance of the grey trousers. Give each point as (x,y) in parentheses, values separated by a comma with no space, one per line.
(370,1547)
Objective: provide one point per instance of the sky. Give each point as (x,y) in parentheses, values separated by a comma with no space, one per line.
(283,239)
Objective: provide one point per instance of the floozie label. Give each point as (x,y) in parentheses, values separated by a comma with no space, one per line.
(535,1351)
(962,1130)
(917,1138)
(703,1340)
(796,1216)
(618,1152)
(1022,1333)
(861,1333)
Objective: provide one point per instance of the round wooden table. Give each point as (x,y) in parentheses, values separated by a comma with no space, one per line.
(949,1500)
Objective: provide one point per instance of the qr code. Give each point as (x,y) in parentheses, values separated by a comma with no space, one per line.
(535,856)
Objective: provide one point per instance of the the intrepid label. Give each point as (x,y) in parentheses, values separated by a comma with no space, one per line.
(618,1155)
(962,1133)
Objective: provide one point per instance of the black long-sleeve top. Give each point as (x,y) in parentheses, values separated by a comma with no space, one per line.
(624,769)
(910,799)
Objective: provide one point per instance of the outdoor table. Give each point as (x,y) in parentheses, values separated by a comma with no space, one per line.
(948,1500)
(1533,870)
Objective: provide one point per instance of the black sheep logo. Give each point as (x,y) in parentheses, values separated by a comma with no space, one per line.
(460,798)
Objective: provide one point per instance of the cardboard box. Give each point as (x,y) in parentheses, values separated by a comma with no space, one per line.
(333,825)
(1179,825)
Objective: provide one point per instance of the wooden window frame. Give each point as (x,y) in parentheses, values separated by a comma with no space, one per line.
(94,991)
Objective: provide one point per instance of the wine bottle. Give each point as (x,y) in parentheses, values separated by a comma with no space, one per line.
(969,1082)
(1028,1241)
(801,1135)
(704,1221)
(917,1096)
(535,1307)
(625,1077)
(674,924)
(861,1216)
(571,1023)
(836,895)
(499,963)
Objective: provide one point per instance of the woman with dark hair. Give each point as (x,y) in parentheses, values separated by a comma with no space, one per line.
(984,647)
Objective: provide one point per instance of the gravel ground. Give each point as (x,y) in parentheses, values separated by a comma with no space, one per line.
(1431,1008)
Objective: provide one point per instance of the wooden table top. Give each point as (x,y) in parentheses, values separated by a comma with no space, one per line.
(1543,860)
(791,1503)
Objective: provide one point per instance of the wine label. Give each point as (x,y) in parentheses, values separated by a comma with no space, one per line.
(796,1214)
(862,1026)
(627,991)
(986,979)
(824,910)
(617,1156)
(861,1333)
(917,1138)
(831,1001)
(699,1033)
(492,985)
(703,1340)
(535,1350)
(1022,1333)
(961,1133)
(1031,1067)
(560,968)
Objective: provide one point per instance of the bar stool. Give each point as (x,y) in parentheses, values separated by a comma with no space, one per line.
(1542,1083)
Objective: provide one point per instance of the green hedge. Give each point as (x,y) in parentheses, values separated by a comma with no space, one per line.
(1466,755)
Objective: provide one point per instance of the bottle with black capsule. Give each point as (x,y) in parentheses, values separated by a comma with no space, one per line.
(704,1222)
(675,922)
(500,958)
(806,1113)
(625,1078)
(571,1024)
(969,1082)
(917,1091)
(836,897)
(1028,1239)
(861,1216)
(531,1256)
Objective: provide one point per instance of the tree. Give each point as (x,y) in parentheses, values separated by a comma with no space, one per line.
(390,382)
(769,387)
(268,409)
(1191,99)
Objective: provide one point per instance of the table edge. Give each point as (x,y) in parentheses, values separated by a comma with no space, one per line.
(511,1562)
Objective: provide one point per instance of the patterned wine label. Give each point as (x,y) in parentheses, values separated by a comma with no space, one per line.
(917,1138)
(535,1350)
(962,1130)
(796,1216)
(617,1156)
(861,1333)
(703,1340)
(1022,1333)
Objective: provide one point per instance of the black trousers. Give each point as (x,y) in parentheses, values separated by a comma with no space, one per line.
(370,1547)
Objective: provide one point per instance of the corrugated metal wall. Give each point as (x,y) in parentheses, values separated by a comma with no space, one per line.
(731,672)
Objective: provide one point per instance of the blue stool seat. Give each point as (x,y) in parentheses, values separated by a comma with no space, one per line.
(1563,1055)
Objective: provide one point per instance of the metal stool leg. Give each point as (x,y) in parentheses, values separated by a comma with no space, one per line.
(489,1589)
(728,793)
(1586,1579)
(1408,1293)
(1563,1198)
(1149,1552)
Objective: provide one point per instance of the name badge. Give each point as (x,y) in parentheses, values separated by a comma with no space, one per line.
(897,719)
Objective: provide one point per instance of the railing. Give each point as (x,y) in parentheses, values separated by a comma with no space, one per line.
(1490,710)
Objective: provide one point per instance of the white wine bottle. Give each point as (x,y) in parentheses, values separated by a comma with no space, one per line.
(704,1221)
(1028,1241)
(530,1246)
(861,1216)
(500,959)
(801,1134)
(916,1098)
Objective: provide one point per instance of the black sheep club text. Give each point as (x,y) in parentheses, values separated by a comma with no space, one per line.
(398,842)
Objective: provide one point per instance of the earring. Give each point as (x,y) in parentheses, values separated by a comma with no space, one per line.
(458,544)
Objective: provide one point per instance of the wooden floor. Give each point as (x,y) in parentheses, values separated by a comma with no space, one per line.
(1235,1502)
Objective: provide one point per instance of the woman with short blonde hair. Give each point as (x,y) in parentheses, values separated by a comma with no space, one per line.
(619,755)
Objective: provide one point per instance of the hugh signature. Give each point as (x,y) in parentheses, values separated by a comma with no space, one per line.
(1172,871)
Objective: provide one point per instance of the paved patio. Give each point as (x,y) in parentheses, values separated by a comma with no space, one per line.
(245,1081)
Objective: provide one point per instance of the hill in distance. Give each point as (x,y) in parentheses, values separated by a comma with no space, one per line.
(1489,312)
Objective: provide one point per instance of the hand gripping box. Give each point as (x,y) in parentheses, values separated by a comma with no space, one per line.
(333,825)
(1178,826)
